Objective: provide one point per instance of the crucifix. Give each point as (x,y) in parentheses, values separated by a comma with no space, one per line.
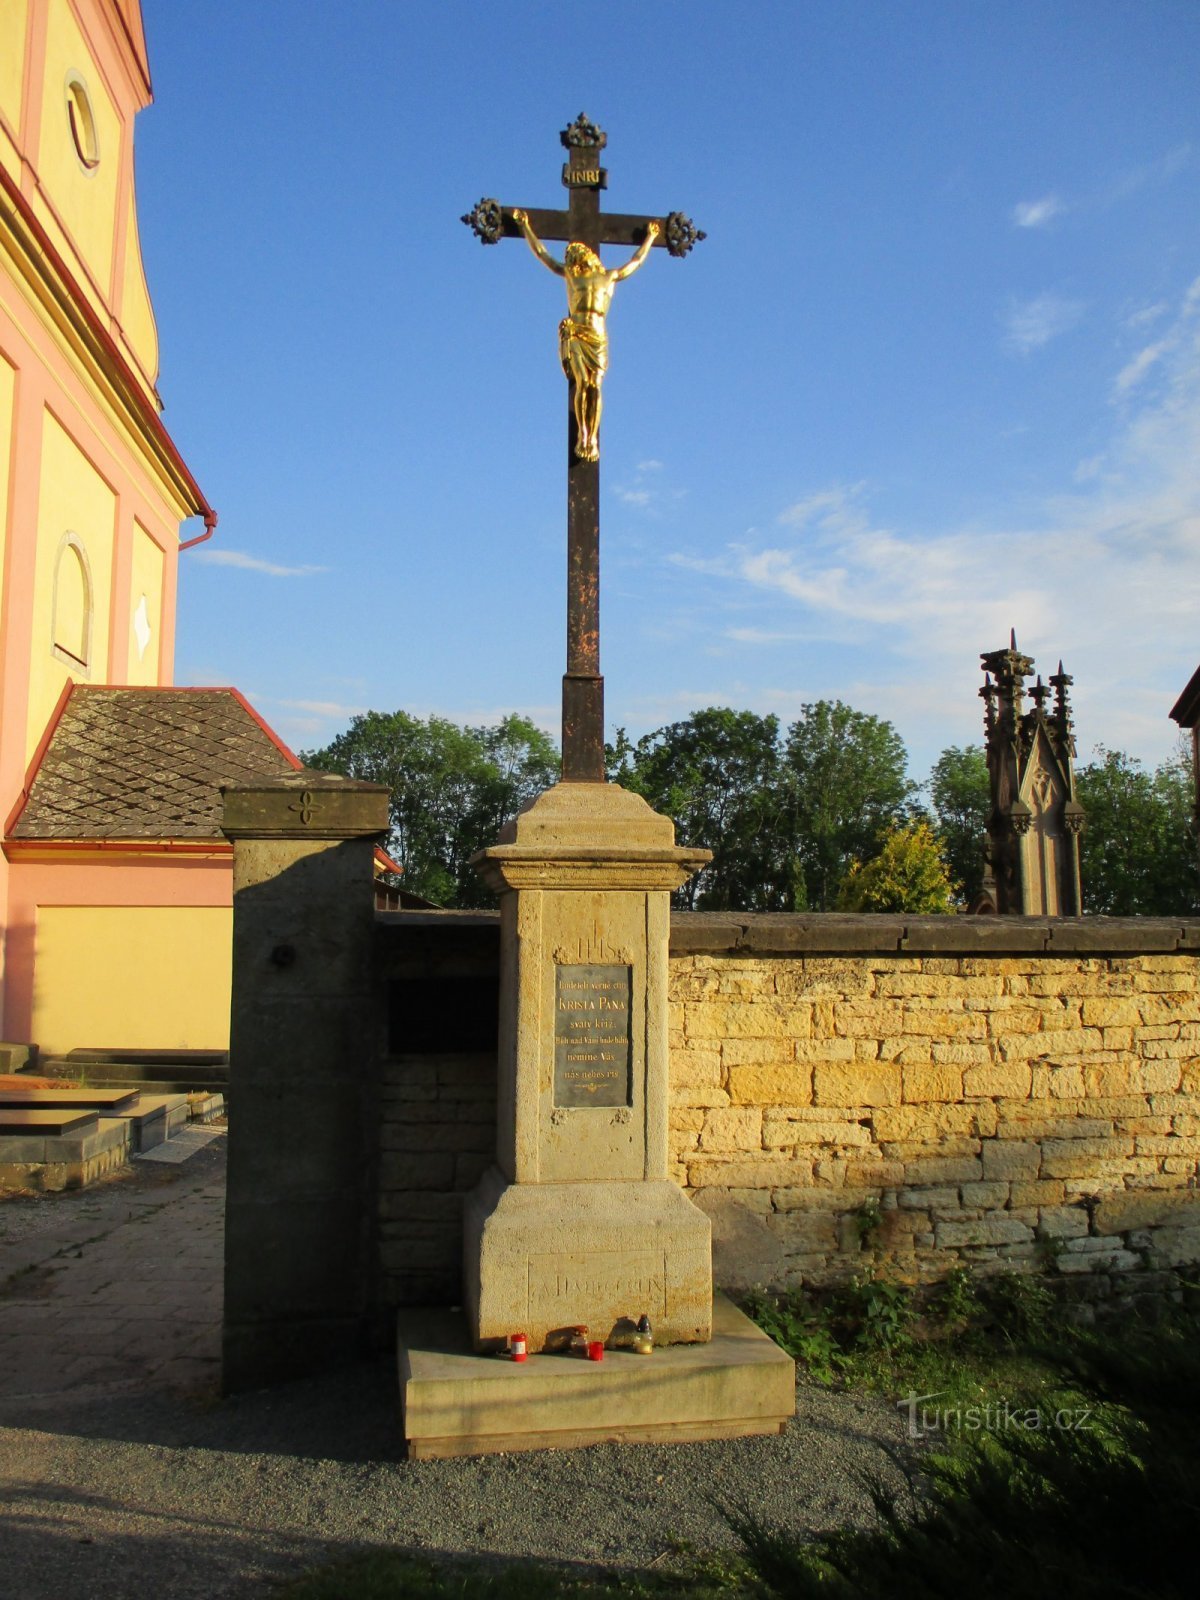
(583,350)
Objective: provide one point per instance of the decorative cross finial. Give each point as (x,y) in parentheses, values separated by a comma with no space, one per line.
(583,134)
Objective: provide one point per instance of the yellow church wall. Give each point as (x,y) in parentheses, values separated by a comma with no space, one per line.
(74,504)
(132,977)
(7,401)
(84,198)
(145,598)
(12,67)
(135,311)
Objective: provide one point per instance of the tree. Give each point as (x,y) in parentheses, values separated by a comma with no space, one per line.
(908,874)
(961,793)
(716,775)
(451,789)
(847,781)
(1138,850)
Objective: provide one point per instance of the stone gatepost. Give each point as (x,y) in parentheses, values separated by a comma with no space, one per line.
(299,1195)
(578,1222)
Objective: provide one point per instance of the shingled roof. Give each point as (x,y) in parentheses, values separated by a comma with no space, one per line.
(146,764)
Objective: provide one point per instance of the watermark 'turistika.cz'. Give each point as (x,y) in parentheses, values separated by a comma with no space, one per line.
(996,1416)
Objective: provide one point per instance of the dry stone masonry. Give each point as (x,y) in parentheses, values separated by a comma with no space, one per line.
(893,1090)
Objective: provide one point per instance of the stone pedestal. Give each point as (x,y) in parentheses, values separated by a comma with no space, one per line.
(578,1222)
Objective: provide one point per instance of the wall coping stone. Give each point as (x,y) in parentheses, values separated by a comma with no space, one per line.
(859,933)
(864,933)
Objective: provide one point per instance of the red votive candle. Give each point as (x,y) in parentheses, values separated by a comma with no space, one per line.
(517,1347)
(596,1350)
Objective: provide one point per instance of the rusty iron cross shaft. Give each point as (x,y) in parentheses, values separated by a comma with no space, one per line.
(584,223)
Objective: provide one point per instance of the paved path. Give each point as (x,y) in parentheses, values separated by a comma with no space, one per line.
(117,1286)
(123,1474)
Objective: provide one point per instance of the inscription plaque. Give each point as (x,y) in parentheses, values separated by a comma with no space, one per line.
(569,1288)
(593,1059)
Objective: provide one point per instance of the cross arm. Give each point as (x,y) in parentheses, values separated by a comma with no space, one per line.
(491,222)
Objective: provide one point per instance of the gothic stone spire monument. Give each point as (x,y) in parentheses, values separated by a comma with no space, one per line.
(578,1221)
(1035,820)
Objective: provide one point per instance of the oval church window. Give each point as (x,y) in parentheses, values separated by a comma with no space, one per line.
(83,122)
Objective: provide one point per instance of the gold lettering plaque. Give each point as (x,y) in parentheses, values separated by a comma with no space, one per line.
(592,1047)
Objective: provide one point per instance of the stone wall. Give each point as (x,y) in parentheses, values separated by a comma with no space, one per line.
(439,985)
(924,1093)
(1005,1092)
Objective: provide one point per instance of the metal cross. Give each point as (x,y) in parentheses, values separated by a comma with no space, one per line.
(584,223)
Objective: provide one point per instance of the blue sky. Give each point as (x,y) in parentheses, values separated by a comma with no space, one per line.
(935,372)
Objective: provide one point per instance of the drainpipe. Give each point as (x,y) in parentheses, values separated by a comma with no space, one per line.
(210,527)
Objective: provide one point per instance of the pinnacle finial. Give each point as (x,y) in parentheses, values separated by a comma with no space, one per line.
(1012,638)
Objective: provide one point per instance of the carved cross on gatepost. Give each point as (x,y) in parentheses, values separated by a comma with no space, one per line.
(582,223)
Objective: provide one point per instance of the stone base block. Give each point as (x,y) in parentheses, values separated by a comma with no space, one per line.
(65,1161)
(457,1403)
(154,1118)
(541,1258)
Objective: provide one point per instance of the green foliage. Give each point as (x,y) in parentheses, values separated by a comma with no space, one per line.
(785,818)
(867,1220)
(1138,850)
(798,1325)
(883,1311)
(716,774)
(451,790)
(962,1337)
(1098,1500)
(908,874)
(961,793)
(1022,1307)
(957,1304)
(848,783)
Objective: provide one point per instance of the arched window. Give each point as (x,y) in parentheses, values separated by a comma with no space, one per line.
(72,627)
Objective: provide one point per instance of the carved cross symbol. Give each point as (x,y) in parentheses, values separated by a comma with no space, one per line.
(583,223)
(305,806)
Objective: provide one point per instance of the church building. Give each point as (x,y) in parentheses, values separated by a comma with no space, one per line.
(115,880)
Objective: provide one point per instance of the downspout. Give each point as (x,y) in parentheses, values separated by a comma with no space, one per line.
(210,527)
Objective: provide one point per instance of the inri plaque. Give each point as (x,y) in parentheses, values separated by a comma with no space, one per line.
(592,1053)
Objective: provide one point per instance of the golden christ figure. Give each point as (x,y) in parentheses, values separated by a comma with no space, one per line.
(582,334)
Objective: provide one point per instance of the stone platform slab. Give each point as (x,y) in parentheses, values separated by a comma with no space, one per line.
(457,1403)
(46,1121)
(109,1101)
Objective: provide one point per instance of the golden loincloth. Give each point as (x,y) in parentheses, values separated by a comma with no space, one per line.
(579,343)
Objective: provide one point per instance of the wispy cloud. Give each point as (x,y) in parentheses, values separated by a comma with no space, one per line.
(1037,213)
(1162,170)
(1134,371)
(323,708)
(1030,324)
(1107,568)
(763,636)
(1147,314)
(248,563)
(647,492)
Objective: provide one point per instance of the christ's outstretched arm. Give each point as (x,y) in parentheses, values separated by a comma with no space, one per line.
(535,244)
(643,250)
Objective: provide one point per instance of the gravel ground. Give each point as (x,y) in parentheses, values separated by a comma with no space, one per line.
(121,1490)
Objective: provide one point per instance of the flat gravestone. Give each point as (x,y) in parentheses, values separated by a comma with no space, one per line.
(25,1119)
(63,1099)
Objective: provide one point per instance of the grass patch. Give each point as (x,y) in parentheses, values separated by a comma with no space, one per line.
(968,1340)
